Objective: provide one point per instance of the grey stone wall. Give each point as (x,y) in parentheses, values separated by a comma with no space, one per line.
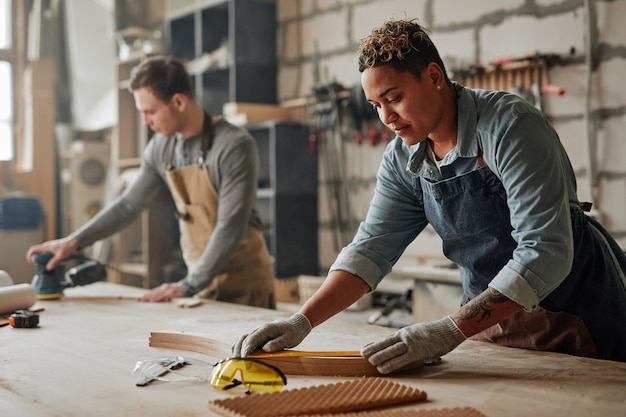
(589,36)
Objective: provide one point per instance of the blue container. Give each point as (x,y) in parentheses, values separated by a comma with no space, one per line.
(21,213)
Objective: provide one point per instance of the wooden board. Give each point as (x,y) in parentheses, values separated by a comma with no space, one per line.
(246,113)
(290,365)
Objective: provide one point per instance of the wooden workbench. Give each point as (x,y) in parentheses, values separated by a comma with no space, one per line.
(79,362)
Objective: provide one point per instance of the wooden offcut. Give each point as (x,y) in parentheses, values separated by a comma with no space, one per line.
(298,363)
(361,394)
(247,113)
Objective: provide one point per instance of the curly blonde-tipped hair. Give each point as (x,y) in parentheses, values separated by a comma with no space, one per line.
(402,44)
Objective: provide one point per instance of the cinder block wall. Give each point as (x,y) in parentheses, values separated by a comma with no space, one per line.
(590,117)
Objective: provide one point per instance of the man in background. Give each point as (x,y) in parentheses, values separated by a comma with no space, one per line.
(210,168)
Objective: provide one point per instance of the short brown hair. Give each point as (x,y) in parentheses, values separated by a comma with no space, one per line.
(165,75)
(402,44)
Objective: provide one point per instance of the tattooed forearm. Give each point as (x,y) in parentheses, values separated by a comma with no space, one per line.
(482,306)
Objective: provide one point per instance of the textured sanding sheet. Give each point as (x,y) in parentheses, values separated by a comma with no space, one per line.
(361,394)
(432,412)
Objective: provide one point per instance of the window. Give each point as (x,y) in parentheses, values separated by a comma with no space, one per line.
(6,82)
(6,112)
(5,20)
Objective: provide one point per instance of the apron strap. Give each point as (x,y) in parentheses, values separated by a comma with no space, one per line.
(169,153)
(208,133)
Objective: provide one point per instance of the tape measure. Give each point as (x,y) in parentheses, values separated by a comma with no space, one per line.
(24,319)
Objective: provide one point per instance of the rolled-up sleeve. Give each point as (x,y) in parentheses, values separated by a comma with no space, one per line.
(533,167)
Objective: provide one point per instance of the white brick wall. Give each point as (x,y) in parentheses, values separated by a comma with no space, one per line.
(572,79)
(448,12)
(611,144)
(518,35)
(611,22)
(469,32)
(371,14)
(608,84)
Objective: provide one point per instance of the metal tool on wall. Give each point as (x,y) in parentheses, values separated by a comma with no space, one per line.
(327,115)
(331,101)
(525,75)
(366,119)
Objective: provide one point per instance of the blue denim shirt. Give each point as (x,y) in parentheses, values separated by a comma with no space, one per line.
(522,149)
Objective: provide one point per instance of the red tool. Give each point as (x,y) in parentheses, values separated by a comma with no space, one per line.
(372,134)
(552,89)
(313,142)
(531,56)
(359,137)
(385,134)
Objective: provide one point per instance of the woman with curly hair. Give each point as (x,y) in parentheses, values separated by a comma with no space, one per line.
(489,173)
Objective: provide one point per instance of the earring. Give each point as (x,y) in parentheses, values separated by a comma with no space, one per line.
(438,87)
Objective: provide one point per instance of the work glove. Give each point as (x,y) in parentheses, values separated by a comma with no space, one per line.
(274,336)
(418,343)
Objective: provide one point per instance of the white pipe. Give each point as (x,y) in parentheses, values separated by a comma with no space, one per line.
(590,149)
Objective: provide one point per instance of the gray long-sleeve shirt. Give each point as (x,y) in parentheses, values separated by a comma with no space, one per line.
(233,164)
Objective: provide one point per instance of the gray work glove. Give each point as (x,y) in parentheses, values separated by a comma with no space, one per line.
(417,343)
(274,336)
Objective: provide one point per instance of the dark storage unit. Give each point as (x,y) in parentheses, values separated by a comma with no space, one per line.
(247,74)
(287,196)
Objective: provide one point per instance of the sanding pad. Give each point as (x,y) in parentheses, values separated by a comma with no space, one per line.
(361,394)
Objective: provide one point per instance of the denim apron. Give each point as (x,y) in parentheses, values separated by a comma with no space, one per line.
(249,275)
(584,316)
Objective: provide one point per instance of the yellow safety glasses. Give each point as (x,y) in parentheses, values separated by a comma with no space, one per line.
(247,374)
(235,375)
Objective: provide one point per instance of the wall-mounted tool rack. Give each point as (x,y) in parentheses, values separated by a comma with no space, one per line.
(526,76)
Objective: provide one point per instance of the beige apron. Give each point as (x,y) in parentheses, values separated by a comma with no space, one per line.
(249,276)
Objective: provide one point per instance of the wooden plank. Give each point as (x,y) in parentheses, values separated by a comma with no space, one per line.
(317,363)
(247,113)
